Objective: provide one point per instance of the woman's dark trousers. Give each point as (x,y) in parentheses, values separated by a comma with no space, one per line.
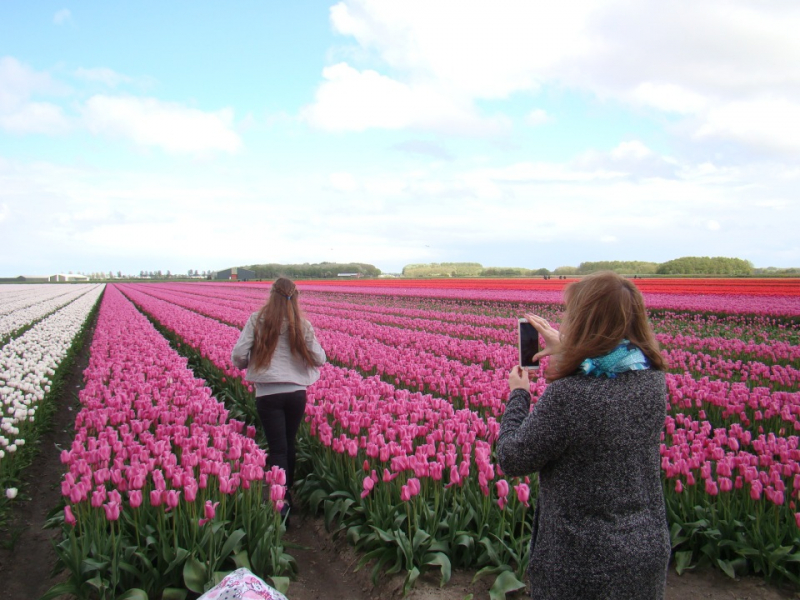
(281,415)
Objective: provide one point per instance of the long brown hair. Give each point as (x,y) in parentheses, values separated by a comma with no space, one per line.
(602,309)
(281,307)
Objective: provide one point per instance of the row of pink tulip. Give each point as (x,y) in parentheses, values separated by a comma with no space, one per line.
(419,360)
(149,429)
(419,370)
(716,303)
(394,430)
(486,327)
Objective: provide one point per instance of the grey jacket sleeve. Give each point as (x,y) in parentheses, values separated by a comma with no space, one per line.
(317,353)
(528,440)
(240,356)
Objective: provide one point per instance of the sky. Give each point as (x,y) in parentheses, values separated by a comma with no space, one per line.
(517,133)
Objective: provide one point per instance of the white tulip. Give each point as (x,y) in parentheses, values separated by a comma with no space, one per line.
(11,493)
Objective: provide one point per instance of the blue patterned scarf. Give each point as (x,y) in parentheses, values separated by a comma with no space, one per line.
(625,357)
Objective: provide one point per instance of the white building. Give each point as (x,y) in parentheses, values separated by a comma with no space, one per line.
(68,277)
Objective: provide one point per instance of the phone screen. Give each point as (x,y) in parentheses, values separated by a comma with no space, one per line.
(528,345)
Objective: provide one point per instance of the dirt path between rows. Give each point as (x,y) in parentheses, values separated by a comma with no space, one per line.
(326,565)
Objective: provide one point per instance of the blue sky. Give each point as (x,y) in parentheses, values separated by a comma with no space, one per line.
(202,135)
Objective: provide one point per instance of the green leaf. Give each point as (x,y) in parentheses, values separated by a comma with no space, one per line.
(129,568)
(134,594)
(420,537)
(727,568)
(675,535)
(61,589)
(89,565)
(174,594)
(370,555)
(506,582)
(241,559)
(411,579)
(314,500)
(777,555)
(465,540)
(231,543)
(682,561)
(180,556)
(280,583)
(194,575)
(354,534)
(440,560)
(490,550)
(386,536)
(488,570)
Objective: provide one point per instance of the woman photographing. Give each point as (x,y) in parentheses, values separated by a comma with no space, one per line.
(281,353)
(600,527)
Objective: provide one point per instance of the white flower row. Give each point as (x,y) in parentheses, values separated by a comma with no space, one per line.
(36,305)
(28,363)
(20,295)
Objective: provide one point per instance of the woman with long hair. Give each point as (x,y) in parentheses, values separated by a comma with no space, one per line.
(600,526)
(281,353)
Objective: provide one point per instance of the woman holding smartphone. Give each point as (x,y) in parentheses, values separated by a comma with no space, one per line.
(281,353)
(600,525)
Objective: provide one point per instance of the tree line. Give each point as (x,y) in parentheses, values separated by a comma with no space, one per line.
(323,270)
(687,265)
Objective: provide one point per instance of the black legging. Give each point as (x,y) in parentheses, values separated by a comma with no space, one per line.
(281,415)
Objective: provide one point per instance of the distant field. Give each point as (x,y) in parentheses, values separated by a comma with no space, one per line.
(746,286)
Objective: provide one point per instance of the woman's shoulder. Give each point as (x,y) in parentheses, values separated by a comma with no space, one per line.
(580,381)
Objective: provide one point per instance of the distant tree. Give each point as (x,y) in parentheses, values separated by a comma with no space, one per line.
(565,271)
(704,265)
(443,270)
(312,271)
(623,267)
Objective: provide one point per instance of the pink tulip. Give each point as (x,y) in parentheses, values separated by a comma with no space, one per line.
(135,498)
(69,518)
(112,511)
(367,485)
(523,493)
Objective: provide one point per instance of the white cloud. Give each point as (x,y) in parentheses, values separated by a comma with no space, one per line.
(62,16)
(669,97)
(714,225)
(632,149)
(18,83)
(111,219)
(706,61)
(766,122)
(171,126)
(352,100)
(537,117)
(18,113)
(343,182)
(102,75)
(35,117)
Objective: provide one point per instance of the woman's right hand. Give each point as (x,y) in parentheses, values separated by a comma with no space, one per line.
(551,335)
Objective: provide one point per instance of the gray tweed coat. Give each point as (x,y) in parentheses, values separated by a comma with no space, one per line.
(600,527)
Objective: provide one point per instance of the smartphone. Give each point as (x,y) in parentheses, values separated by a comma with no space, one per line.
(528,341)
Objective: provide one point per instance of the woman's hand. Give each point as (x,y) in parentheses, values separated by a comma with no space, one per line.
(552,337)
(518,379)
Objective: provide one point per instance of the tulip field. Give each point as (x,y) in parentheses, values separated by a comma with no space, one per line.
(166,485)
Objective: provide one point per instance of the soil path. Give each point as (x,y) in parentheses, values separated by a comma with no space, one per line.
(326,565)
